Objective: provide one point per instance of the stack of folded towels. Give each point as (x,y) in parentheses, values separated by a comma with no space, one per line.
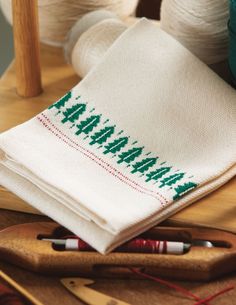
(147,132)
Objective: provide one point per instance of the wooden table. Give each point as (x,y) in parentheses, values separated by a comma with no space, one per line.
(137,292)
(58,78)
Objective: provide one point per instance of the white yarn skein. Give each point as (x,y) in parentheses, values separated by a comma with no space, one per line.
(201,26)
(93,43)
(81,26)
(56,17)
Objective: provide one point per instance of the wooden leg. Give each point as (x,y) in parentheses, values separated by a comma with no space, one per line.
(26,41)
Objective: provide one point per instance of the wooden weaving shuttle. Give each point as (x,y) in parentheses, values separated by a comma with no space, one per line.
(20,245)
(78,286)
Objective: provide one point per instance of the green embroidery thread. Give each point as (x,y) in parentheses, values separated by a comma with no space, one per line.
(116,145)
(183,189)
(88,125)
(102,135)
(171,179)
(143,165)
(72,114)
(130,155)
(62,101)
(157,174)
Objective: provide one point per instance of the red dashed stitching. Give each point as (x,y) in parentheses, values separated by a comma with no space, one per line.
(125,177)
(96,158)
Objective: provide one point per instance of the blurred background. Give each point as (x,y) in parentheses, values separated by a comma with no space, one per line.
(146,8)
(6,43)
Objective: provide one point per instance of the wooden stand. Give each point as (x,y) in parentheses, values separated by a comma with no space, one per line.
(26,41)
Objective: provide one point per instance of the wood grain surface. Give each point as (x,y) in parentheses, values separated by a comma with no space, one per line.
(27,296)
(217,210)
(20,245)
(49,290)
(10,201)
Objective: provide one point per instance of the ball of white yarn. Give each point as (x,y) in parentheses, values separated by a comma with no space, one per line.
(200,25)
(56,17)
(93,44)
(81,26)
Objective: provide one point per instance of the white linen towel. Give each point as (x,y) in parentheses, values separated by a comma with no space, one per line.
(147,132)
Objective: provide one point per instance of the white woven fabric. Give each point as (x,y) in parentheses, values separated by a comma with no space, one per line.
(147,132)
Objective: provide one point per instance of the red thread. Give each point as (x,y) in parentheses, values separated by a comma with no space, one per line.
(135,245)
(182,289)
(49,121)
(83,246)
(94,159)
(140,245)
(164,247)
(158,246)
(210,298)
(167,283)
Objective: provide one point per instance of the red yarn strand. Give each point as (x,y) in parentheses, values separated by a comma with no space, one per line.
(169,284)
(183,290)
(210,298)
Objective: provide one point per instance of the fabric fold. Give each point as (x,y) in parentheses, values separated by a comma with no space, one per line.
(149,130)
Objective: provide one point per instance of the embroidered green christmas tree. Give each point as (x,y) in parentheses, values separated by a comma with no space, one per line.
(143,165)
(171,179)
(157,174)
(62,101)
(102,135)
(88,125)
(72,114)
(183,189)
(116,145)
(130,155)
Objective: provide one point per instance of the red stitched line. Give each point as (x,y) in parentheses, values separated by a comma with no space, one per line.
(57,135)
(93,159)
(125,177)
(148,190)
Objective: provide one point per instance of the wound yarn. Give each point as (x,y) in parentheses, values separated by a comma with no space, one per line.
(90,38)
(56,17)
(135,245)
(201,26)
(81,26)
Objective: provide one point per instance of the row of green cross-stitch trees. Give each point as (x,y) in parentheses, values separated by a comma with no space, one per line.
(86,126)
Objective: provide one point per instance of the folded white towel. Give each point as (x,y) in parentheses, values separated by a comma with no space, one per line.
(147,132)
